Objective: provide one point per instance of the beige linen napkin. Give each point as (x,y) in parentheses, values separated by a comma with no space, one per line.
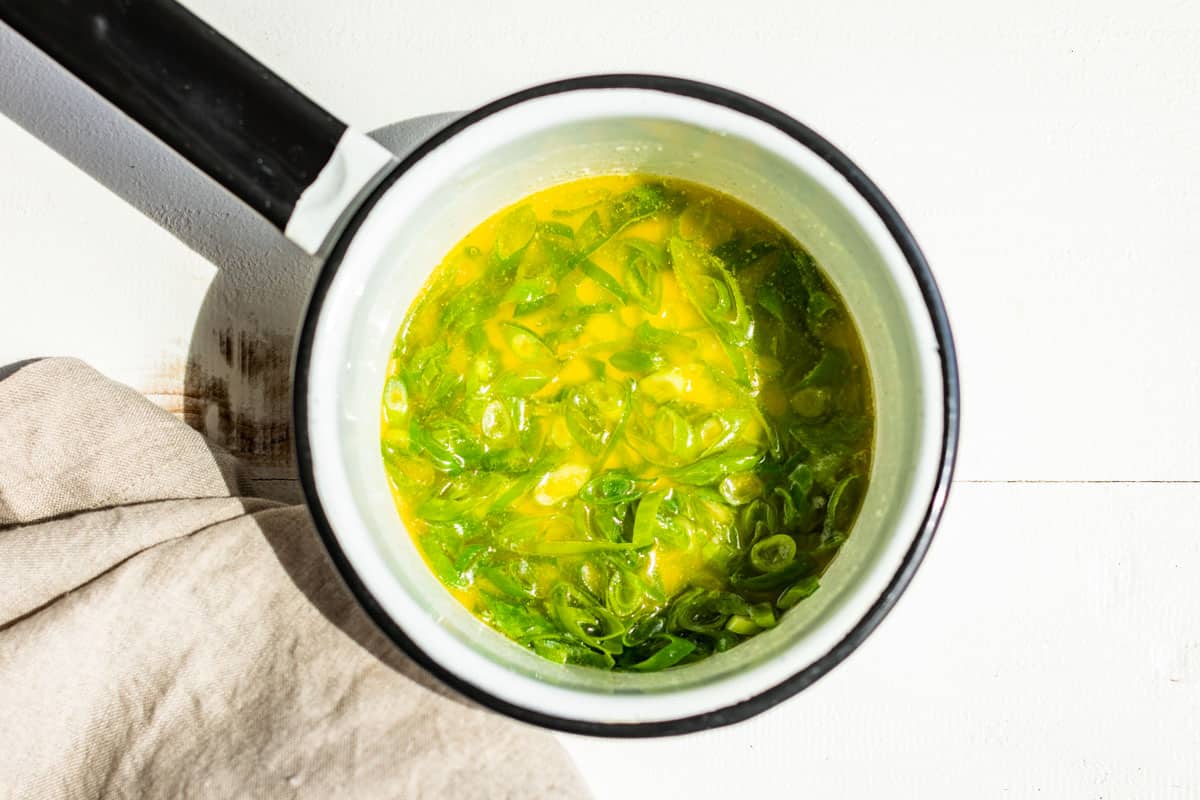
(162,636)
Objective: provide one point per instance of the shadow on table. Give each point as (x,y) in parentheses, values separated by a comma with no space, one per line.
(237,376)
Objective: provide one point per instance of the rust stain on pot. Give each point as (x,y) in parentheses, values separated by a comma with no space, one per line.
(225,345)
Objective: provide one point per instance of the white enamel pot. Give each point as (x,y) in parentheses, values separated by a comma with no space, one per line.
(490,159)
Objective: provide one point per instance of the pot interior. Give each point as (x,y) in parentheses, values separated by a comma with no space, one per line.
(544,141)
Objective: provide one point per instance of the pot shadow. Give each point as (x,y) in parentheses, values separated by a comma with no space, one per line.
(236,386)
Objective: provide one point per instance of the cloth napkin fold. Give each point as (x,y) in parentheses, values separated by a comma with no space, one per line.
(162,635)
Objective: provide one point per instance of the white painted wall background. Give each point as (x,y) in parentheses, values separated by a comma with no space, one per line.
(1046,154)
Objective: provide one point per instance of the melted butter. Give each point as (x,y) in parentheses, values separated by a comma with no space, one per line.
(685,375)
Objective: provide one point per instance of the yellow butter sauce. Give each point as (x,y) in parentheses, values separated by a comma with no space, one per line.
(628,422)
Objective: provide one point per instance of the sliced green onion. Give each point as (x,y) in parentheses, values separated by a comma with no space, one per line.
(443,567)
(798,591)
(517,620)
(606,280)
(742,626)
(496,422)
(739,489)
(712,290)
(524,343)
(614,486)
(527,291)
(773,553)
(637,204)
(515,231)
(644,630)
(646,524)
(801,479)
(708,471)
(769,298)
(763,615)
(587,621)
(724,640)
(395,399)
(658,337)
(706,610)
(522,383)
(773,580)
(811,402)
(446,442)
(829,370)
(590,235)
(643,273)
(836,520)
(672,432)
(505,582)
(636,361)
(602,195)
(557,229)
(563,651)
(820,305)
(731,422)
(460,495)
(625,593)
(675,650)
(593,412)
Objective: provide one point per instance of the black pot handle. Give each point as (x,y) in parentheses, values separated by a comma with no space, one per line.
(234,119)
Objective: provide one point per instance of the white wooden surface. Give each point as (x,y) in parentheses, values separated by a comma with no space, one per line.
(1047,155)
